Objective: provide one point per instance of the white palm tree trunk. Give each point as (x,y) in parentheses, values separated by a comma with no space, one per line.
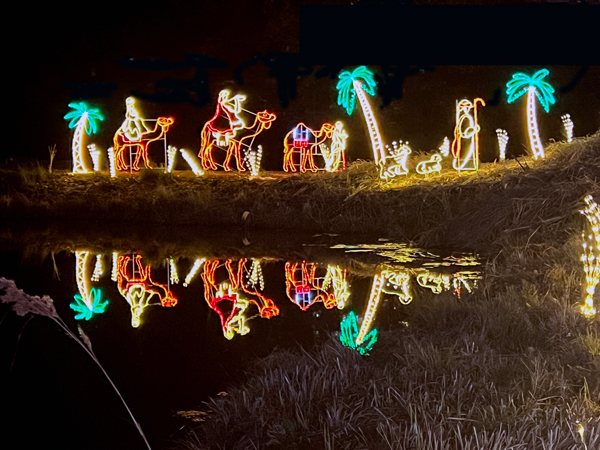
(378,151)
(77,146)
(534,136)
(371,308)
(82,284)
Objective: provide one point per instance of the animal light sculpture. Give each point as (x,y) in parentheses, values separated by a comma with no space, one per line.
(193,163)
(436,282)
(222,130)
(304,288)
(431,165)
(533,86)
(502,141)
(465,146)
(82,118)
(136,134)
(135,284)
(349,335)
(568,124)
(335,278)
(304,141)
(335,156)
(356,84)
(95,154)
(591,255)
(252,158)
(395,163)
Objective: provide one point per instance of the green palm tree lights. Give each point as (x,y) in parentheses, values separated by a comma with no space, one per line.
(82,118)
(86,308)
(349,334)
(534,86)
(352,85)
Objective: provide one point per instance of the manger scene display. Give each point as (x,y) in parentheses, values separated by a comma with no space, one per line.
(232,131)
(135,135)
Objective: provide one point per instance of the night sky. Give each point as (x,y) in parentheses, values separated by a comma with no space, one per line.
(179,54)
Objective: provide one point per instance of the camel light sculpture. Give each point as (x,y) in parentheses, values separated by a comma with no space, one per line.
(304,141)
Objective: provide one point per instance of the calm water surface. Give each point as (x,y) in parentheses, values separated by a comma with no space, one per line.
(173,330)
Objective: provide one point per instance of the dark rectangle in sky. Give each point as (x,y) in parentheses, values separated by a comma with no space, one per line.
(449,34)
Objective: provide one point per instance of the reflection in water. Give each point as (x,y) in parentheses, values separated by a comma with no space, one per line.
(89,300)
(241,288)
(591,255)
(305,288)
(349,335)
(135,284)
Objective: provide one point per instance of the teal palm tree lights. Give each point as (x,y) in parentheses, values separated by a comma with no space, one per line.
(82,118)
(533,86)
(355,84)
(349,335)
(86,308)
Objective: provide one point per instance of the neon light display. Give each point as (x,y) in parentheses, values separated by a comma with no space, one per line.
(534,87)
(193,163)
(502,141)
(111,162)
(304,288)
(193,271)
(355,84)
(304,141)
(252,159)
(238,290)
(568,124)
(95,154)
(335,156)
(82,118)
(86,308)
(349,335)
(136,134)
(397,282)
(591,255)
(395,163)
(445,147)
(436,282)
(430,165)
(171,153)
(222,129)
(135,284)
(98,268)
(173,275)
(465,146)
(369,316)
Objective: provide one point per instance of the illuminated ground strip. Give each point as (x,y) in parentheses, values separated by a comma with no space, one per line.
(369,316)
(467,128)
(568,124)
(502,142)
(591,255)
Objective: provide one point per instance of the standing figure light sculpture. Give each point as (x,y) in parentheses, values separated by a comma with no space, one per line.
(221,131)
(82,118)
(335,155)
(568,124)
(465,146)
(356,83)
(136,134)
(591,255)
(534,87)
(502,141)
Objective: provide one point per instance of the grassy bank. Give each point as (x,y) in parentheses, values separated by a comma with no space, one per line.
(514,365)
(450,209)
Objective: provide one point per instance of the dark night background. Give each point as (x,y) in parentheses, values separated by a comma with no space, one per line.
(71,52)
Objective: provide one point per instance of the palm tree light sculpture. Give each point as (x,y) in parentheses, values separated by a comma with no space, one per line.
(534,87)
(356,83)
(82,118)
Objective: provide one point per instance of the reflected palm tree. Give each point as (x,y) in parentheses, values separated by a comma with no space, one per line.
(89,300)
